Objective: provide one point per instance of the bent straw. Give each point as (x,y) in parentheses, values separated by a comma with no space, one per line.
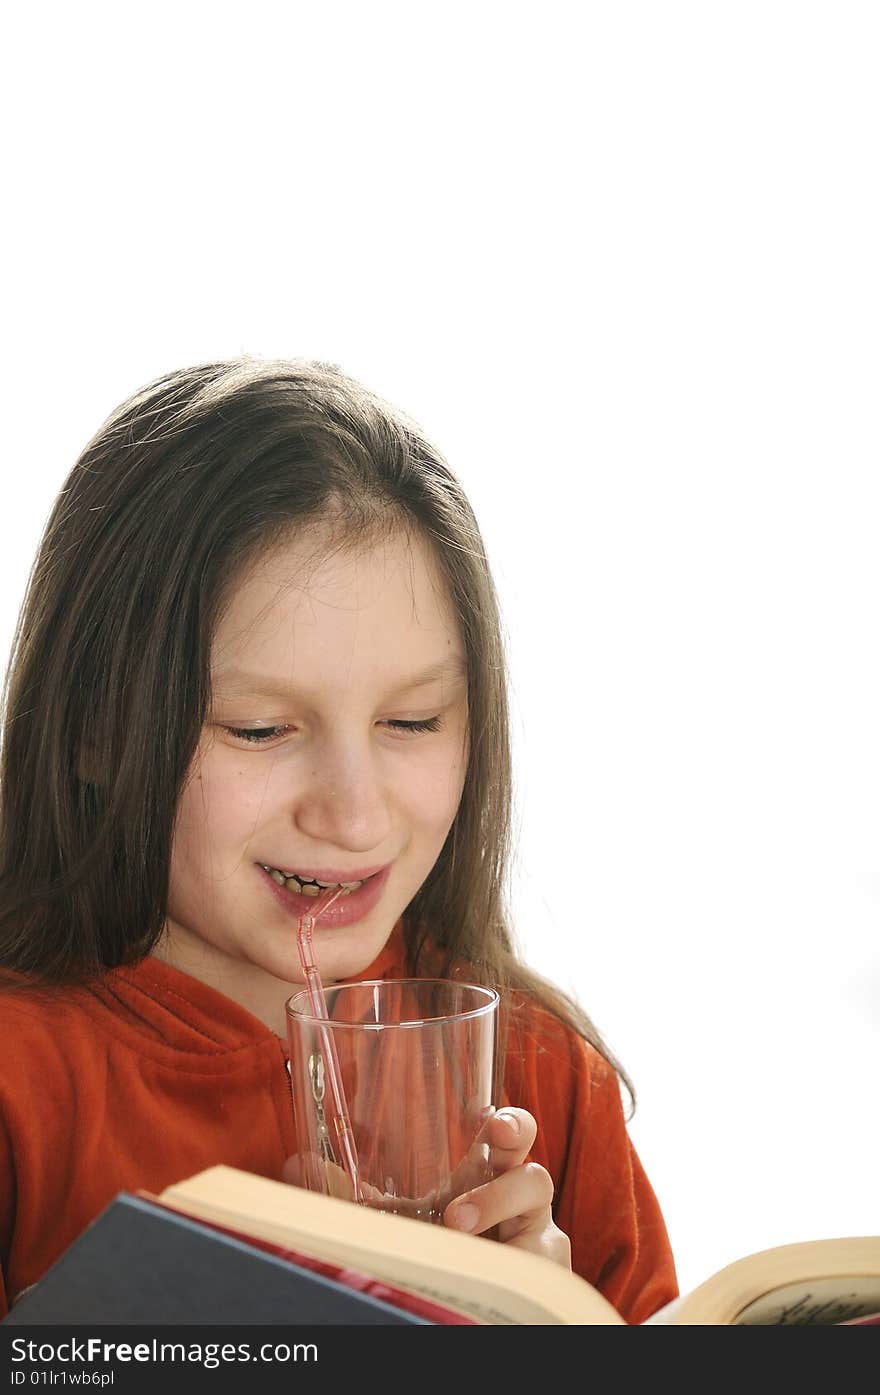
(341,1120)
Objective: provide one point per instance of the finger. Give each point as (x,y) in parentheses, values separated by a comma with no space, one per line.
(293,1171)
(516,1201)
(510,1134)
(314,1174)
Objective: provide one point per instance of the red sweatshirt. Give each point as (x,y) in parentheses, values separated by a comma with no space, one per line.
(150,1076)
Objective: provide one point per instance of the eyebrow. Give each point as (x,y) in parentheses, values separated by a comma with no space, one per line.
(236,682)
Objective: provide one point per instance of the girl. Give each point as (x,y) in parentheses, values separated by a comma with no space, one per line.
(261,649)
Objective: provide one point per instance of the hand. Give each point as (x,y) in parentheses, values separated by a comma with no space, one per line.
(513,1208)
(517,1200)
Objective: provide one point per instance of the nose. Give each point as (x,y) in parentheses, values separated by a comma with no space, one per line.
(345,804)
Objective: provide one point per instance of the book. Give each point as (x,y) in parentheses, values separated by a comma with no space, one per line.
(140,1263)
(820,1282)
(229,1247)
(812,1283)
(342,1274)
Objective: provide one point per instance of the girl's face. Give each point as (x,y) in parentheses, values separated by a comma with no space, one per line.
(335,750)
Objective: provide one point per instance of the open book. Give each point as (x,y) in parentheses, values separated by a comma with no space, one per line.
(816,1282)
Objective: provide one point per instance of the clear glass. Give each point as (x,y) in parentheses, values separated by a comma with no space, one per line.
(415,1063)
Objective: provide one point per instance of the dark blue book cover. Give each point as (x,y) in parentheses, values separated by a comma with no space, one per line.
(138,1263)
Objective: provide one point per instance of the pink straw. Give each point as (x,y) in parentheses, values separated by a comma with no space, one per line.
(341,1120)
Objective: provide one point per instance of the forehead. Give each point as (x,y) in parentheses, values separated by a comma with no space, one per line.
(315,604)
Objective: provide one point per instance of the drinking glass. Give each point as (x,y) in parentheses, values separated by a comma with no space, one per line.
(413,1062)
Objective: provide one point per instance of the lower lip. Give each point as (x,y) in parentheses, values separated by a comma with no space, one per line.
(346,911)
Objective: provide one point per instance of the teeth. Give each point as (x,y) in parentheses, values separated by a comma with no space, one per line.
(310,888)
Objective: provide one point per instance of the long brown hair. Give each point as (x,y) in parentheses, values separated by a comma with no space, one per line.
(108,684)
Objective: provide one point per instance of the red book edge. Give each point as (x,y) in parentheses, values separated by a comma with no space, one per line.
(352,1278)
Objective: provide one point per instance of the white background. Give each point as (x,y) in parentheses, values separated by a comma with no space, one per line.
(621,260)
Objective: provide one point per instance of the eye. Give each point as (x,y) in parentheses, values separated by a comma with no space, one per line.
(256,736)
(427,724)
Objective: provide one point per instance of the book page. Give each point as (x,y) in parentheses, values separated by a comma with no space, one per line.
(821,1302)
(811,1282)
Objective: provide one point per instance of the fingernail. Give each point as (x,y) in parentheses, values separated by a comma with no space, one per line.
(465,1217)
(510,1120)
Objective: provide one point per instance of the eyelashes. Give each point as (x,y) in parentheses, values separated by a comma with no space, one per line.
(258,736)
(428,724)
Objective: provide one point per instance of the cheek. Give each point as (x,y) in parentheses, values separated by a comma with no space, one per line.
(191,829)
(436,792)
(217,813)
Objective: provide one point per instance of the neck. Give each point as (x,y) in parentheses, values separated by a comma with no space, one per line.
(258,992)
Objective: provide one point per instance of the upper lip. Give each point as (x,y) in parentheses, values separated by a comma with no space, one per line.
(328,874)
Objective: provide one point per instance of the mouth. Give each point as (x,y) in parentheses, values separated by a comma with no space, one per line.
(296,891)
(303,885)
